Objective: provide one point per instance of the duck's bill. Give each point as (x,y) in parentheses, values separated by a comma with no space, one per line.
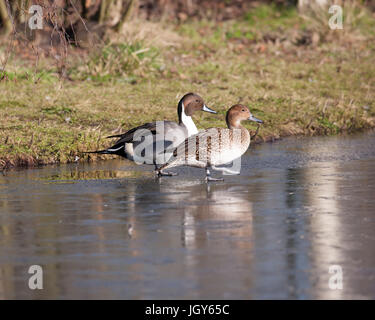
(252,118)
(207,109)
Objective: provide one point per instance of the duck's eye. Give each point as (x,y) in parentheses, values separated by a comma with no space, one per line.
(243,110)
(196,100)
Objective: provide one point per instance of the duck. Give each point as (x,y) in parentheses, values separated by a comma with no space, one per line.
(154,142)
(214,147)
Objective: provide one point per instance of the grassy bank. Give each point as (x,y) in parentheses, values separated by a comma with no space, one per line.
(296,75)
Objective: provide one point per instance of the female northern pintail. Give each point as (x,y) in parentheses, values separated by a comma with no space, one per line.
(150,142)
(215,146)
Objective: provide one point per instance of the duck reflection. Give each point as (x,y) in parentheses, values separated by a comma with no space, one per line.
(215,219)
(209,209)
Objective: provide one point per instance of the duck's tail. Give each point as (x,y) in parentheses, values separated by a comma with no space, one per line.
(97,152)
(118,150)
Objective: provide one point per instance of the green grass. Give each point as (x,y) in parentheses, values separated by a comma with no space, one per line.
(315,89)
(273,16)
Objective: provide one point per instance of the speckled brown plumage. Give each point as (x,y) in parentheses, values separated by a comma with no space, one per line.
(215,146)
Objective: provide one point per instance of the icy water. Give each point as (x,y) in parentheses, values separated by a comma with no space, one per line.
(112,230)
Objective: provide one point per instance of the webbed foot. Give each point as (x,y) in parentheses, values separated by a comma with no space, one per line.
(166,174)
(226,170)
(211,179)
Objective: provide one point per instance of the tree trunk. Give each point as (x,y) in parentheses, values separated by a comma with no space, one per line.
(304,5)
(126,15)
(5,19)
(103,11)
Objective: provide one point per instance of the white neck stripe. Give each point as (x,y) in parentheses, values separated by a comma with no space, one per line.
(188,122)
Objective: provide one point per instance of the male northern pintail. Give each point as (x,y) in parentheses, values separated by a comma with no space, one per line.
(165,135)
(215,146)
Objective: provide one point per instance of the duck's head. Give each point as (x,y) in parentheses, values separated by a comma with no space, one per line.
(191,103)
(238,113)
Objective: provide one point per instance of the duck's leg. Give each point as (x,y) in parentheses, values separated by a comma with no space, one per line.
(161,173)
(209,178)
(226,170)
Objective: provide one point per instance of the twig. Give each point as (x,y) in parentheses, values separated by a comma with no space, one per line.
(256,133)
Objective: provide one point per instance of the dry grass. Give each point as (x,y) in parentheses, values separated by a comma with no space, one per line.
(298,86)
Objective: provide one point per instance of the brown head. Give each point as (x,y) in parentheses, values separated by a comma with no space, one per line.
(191,103)
(238,113)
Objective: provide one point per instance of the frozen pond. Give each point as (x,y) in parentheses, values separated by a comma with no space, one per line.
(113,230)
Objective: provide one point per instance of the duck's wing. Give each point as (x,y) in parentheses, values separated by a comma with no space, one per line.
(128,136)
(136,135)
(202,144)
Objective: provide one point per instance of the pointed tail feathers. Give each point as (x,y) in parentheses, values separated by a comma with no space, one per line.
(111,150)
(115,136)
(97,152)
